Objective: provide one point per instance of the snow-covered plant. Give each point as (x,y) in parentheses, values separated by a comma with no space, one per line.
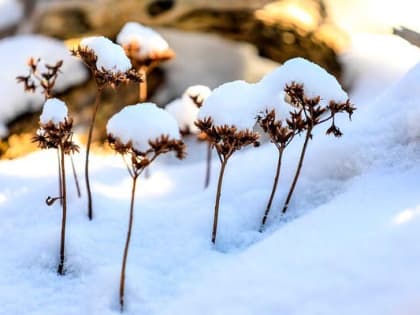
(185,111)
(316,95)
(55,132)
(43,76)
(141,132)
(146,49)
(109,67)
(226,120)
(281,132)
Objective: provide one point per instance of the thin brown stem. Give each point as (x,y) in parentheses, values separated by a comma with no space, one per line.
(92,123)
(60,180)
(76,179)
(216,206)
(127,243)
(273,191)
(299,167)
(143,84)
(60,269)
(208,166)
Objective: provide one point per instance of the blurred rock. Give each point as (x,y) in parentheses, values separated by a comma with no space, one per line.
(279,29)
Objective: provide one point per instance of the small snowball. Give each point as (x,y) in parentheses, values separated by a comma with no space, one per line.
(54,110)
(185,110)
(316,81)
(234,103)
(140,123)
(146,38)
(111,56)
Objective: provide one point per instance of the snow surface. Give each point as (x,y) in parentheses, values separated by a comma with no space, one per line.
(54,110)
(145,37)
(141,123)
(111,57)
(11,12)
(349,245)
(14,54)
(185,110)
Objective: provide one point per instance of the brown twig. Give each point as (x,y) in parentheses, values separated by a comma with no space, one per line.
(60,269)
(208,166)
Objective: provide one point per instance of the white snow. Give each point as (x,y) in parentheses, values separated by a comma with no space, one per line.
(54,110)
(141,123)
(349,245)
(14,54)
(148,40)
(111,56)
(316,80)
(185,110)
(233,104)
(11,12)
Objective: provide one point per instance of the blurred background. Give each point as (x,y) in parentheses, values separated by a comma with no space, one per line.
(214,40)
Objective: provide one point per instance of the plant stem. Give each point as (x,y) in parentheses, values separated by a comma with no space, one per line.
(299,167)
(92,123)
(60,181)
(216,206)
(60,269)
(127,243)
(273,191)
(208,167)
(143,84)
(76,180)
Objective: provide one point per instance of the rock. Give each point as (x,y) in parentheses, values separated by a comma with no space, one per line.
(279,29)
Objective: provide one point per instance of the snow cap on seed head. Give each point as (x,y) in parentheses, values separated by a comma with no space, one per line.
(110,56)
(142,123)
(54,110)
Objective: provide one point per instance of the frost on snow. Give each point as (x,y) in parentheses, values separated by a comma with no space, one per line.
(185,109)
(148,40)
(141,123)
(11,12)
(14,54)
(54,110)
(111,57)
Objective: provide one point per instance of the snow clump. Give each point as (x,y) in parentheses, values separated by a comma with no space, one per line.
(111,57)
(148,40)
(185,110)
(54,111)
(142,123)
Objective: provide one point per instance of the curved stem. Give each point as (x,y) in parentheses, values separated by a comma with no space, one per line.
(208,166)
(76,179)
(92,123)
(60,269)
(299,167)
(127,243)
(273,191)
(216,206)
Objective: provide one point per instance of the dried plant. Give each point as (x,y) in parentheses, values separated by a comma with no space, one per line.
(312,114)
(44,76)
(58,136)
(281,133)
(102,78)
(226,140)
(138,162)
(145,65)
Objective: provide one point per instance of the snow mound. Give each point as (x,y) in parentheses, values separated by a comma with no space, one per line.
(316,81)
(146,38)
(54,110)
(14,54)
(11,12)
(185,110)
(141,123)
(111,57)
(234,104)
